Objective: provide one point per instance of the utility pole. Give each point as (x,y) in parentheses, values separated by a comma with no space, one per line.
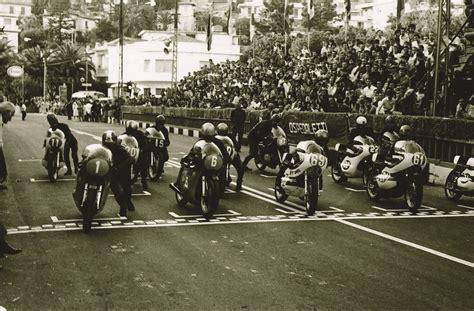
(174,70)
(120,80)
(45,75)
(441,70)
(87,73)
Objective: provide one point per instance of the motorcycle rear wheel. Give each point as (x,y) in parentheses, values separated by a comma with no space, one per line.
(448,192)
(52,169)
(153,170)
(336,173)
(210,201)
(414,195)
(88,210)
(312,196)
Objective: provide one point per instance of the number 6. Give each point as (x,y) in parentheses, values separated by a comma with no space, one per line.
(213,161)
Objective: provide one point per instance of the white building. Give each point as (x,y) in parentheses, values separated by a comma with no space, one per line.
(10,12)
(147,65)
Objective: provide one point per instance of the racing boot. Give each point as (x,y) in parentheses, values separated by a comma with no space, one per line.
(238,187)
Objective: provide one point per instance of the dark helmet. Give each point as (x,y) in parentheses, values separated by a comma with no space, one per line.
(361,121)
(276,118)
(321,137)
(160,120)
(52,120)
(406,132)
(208,130)
(131,126)
(389,120)
(222,129)
(109,138)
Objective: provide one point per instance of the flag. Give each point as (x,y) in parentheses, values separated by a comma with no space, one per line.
(209,33)
(310,9)
(400,8)
(347,5)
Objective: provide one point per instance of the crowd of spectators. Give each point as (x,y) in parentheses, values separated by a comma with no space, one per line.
(379,75)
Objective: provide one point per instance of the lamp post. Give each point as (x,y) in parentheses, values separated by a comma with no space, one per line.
(45,76)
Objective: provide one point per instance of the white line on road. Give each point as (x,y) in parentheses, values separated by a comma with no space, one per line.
(144,193)
(47,180)
(267,176)
(465,206)
(29,160)
(231,213)
(286,212)
(355,190)
(87,134)
(425,208)
(420,247)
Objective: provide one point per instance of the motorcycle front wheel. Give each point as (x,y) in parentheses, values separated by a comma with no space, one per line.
(449,188)
(259,162)
(414,195)
(88,210)
(210,199)
(372,187)
(280,194)
(312,195)
(53,168)
(337,174)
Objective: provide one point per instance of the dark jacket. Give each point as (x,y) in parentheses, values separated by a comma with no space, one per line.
(362,131)
(165,132)
(260,130)
(237,117)
(66,130)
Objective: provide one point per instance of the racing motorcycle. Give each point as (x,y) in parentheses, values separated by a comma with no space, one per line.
(156,142)
(460,180)
(303,176)
(271,150)
(400,176)
(92,183)
(355,163)
(224,173)
(131,145)
(53,159)
(198,180)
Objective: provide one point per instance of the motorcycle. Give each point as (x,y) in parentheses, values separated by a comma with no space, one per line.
(460,180)
(92,183)
(198,180)
(303,176)
(355,163)
(271,150)
(402,177)
(224,173)
(131,145)
(53,159)
(156,142)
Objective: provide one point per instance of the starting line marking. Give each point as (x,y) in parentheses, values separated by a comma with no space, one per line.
(408,243)
(143,193)
(425,208)
(231,213)
(29,160)
(34,180)
(55,219)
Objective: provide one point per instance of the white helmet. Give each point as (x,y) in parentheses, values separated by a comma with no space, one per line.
(361,121)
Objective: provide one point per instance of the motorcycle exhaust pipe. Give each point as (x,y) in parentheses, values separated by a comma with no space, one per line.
(176,189)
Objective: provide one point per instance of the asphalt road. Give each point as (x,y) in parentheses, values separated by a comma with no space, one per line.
(255,254)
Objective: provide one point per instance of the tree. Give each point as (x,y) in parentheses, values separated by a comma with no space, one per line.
(59,23)
(6,56)
(271,19)
(105,30)
(324,12)
(242,26)
(165,18)
(201,20)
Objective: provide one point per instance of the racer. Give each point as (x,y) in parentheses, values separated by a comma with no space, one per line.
(131,128)
(223,133)
(160,121)
(70,145)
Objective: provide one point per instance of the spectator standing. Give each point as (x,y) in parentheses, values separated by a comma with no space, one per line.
(461,109)
(237,118)
(23,111)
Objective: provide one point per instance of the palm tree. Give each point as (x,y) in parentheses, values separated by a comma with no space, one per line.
(165,18)
(6,56)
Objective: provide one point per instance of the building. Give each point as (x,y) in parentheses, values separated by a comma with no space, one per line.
(10,12)
(146,64)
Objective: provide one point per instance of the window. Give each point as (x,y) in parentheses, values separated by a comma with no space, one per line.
(12,10)
(147,66)
(162,65)
(22,10)
(158,91)
(8,21)
(146,91)
(87,24)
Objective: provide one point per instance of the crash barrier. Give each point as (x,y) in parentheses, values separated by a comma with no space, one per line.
(442,138)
